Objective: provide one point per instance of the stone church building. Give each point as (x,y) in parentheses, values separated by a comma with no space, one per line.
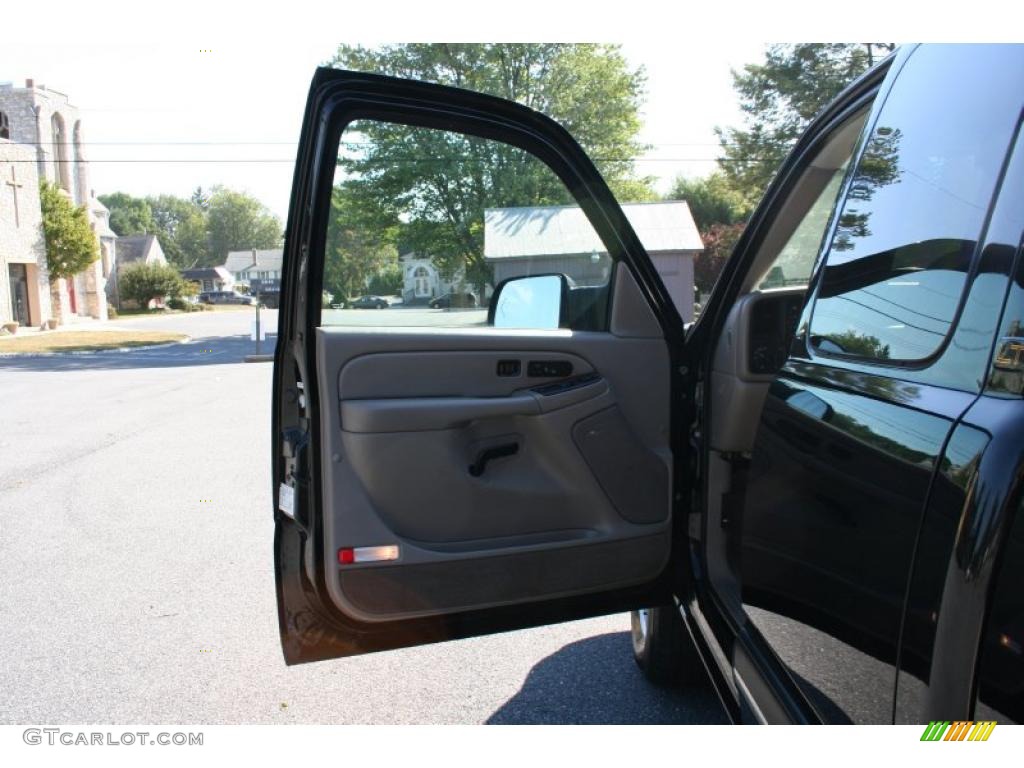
(24,280)
(41,138)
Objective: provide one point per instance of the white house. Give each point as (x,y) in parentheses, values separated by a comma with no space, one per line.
(423,281)
(262,265)
(521,241)
(210,278)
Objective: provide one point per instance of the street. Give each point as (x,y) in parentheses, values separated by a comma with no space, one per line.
(136,573)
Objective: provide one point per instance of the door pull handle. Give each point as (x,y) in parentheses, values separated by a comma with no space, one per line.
(497,452)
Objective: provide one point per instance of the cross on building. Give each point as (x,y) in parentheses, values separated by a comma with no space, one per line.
(15,185)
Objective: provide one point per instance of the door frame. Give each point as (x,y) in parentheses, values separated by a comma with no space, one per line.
(765,690)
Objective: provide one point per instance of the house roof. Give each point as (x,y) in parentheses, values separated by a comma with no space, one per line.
(207,273)
(511,233)
(240,261)
(138,248)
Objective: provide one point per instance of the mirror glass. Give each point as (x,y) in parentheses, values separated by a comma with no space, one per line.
(529,302)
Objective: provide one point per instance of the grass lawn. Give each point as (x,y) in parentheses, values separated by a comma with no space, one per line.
(77,341)
(130,313)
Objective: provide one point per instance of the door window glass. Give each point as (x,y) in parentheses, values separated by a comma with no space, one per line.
(903,244)
(426,224)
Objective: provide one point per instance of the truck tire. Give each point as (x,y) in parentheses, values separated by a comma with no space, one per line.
(663,648)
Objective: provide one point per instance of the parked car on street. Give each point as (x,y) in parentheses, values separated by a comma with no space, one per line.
(449,300)
(270,299)
(224,297)
(369,302)
(811,498)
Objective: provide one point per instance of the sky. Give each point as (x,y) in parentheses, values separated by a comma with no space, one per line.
(191,94)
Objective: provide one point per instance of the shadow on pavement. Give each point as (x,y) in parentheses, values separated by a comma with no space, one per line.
(214,350)
(595,681)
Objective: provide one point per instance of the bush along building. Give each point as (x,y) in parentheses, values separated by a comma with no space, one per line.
(41,138)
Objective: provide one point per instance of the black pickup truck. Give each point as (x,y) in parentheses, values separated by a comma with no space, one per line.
(811,496)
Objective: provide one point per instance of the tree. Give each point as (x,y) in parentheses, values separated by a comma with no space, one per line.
(179,223)
(237,221)
(719,240)
(144,282)
(71,245)
(853,342)
(387,282)
(719,213)
(439,183)
(878,167)
(182,227)
(360,245)
(200,198)
(779,98)
(129,215)
(711,200)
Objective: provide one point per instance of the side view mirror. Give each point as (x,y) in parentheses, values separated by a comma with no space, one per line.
(530,301)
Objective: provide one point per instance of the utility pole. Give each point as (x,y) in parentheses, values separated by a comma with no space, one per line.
(258,285)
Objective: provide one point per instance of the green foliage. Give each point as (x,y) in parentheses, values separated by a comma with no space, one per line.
(199,198)
(589,88)
(387,282)
(431,187)
(144,282)
(361,239)
(181,227)
(779,98)
(200,230)
(129,215)
(861,344)
(720,214)
(71,245)
(188,288)
(711,200)
(237,221)
(182,305)
(719,240)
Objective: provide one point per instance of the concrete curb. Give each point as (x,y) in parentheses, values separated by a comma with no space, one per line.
(75,353)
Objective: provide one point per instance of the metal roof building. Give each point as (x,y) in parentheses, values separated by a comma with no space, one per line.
(519,241)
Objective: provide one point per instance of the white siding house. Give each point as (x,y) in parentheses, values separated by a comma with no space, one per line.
(422,280)
(266,267)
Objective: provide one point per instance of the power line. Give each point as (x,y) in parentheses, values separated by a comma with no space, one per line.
(407,161)
(295,144)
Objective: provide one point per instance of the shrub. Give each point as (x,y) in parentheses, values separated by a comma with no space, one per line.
(144,282)
(71,245)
